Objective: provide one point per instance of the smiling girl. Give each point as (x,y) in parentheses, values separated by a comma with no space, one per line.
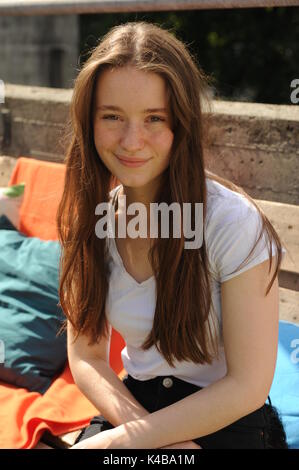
(200,325)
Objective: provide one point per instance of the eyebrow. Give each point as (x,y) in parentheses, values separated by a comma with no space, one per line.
(148,110)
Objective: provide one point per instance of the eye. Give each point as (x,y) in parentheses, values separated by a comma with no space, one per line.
(110,117)
(159,119)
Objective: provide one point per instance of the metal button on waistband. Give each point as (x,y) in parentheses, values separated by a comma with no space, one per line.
(167,382)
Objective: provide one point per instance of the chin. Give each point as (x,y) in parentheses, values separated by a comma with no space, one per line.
(133,181)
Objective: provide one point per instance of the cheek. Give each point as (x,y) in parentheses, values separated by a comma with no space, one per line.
(102,137)
(164,141)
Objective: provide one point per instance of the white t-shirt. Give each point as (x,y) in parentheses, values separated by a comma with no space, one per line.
(231,228)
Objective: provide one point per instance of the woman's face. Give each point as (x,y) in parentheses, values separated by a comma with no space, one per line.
(132,125)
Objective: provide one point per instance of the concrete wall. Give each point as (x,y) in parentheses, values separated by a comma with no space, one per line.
(40,50)
(253,145)
(257,146)
(32,121)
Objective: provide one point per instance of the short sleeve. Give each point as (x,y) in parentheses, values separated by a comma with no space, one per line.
(230,242)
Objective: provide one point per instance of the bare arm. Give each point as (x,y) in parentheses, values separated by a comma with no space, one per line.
(250,332)
(99,383)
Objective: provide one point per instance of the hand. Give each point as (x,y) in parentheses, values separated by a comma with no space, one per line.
(183,445)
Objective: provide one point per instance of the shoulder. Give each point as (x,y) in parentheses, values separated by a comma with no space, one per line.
(232,228)
(225,207)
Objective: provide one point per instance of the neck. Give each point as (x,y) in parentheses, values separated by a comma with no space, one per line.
(144,194)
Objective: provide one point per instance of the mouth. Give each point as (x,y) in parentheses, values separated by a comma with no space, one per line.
(132,162)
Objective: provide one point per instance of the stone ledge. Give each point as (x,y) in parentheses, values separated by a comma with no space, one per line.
(252,144)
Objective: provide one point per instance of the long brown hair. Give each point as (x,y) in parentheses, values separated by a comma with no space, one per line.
(185,325)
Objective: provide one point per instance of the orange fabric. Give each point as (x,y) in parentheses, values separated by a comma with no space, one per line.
(43,191)
(25,415)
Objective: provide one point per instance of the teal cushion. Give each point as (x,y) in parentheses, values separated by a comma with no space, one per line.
(284,393)
(31,351)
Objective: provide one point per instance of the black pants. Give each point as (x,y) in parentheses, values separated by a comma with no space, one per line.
(261,429)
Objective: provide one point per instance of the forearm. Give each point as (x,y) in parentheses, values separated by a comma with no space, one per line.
(99,383)
(107,393)
(197,415)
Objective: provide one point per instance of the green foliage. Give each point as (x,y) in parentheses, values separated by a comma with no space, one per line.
(252,54)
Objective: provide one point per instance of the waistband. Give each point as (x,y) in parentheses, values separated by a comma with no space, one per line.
(161,391)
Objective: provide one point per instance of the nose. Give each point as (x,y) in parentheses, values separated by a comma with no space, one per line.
(132,138)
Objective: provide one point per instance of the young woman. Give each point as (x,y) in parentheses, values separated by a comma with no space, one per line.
(200,325)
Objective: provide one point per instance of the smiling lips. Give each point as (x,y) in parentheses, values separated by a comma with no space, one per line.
(132,162)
